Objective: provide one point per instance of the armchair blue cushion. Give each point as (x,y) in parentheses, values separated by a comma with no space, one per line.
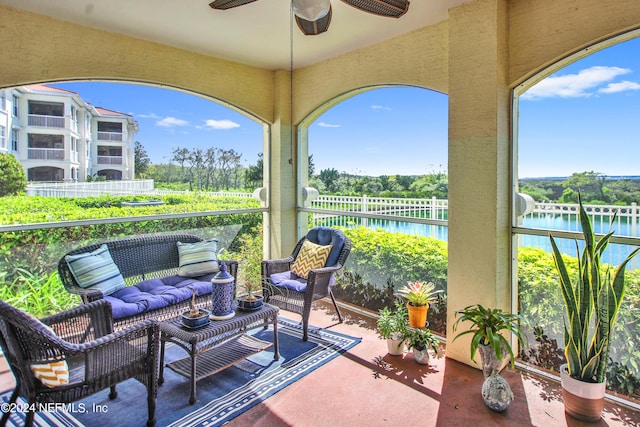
(328,236)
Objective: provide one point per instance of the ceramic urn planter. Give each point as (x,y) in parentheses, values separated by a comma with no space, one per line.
(582,400)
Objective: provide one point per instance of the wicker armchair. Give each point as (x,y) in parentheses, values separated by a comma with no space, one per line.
(96,358)
(298,298)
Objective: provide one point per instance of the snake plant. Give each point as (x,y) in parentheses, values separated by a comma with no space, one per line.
(592,301)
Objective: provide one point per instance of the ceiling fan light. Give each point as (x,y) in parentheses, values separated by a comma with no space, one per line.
(311,10)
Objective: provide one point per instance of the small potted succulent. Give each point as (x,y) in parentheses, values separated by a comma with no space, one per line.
(420,341)
(248,300)
(392,325)
(195,317)
(418,296)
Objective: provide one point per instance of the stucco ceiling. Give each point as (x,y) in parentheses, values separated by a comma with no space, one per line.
(257,34)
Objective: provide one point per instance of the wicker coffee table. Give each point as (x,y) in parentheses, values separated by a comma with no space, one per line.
(218,345)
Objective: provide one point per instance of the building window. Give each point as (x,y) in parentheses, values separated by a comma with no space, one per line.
(14,140)
(3,101)
(3,137)
(15,106)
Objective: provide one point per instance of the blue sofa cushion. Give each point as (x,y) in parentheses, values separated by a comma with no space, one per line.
(154,294)
(328,236)
(288,280)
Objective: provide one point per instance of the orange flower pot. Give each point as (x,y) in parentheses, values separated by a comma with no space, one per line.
(417,315)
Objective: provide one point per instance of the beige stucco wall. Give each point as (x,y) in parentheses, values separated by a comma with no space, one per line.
(44,49)
(477,56)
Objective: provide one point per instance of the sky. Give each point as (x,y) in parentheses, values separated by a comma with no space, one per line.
(584,117)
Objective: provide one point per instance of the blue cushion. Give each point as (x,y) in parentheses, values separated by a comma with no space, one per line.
(288,280)
(328,236)
(154,294)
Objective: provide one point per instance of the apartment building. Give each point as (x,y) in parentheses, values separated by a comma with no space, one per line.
(57,136)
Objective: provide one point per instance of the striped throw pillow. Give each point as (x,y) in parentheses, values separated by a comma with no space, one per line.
(96,270)
(310,257)
(51,374)
(198,259)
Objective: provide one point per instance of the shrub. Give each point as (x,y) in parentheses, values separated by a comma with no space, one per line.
(13,180)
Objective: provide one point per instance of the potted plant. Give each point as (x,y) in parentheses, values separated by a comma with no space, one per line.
(195,317)
(420,341)
(418,296)
(392,325)
(248,300)
(592,300)
(486,327)
(250,274)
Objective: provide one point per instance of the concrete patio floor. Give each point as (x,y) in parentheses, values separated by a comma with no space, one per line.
(368,387)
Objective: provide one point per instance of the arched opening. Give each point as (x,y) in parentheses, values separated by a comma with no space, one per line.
(379,160)
(110,174)
(577,133)
(45,174)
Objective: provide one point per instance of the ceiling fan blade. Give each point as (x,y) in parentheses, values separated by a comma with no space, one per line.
(390,8)
(312,28)
(228,4)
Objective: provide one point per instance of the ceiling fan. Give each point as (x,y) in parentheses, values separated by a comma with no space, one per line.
(314,16)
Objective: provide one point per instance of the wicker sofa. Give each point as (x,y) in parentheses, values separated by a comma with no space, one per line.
(149,265)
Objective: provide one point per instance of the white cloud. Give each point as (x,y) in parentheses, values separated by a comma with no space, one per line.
(380,107)
(221,124)
(168,122)
(149,116)
(620,87)
(578,85)
(328,125)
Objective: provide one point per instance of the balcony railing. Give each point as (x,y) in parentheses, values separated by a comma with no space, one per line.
(46,121)
(110,136)
(109,160)
(46,154)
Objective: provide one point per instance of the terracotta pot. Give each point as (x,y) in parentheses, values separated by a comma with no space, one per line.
(417,315)
(582,400)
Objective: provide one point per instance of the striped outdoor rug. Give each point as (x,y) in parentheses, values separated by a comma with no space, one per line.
(221,397)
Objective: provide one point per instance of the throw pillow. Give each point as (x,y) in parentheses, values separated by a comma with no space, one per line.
(198,259)
(310,257)
(96,270)
(51,374)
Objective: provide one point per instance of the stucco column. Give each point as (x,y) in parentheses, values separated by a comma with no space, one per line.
(479,164)
(281,181)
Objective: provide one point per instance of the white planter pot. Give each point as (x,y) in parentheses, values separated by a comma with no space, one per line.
(395,347)
(582,400)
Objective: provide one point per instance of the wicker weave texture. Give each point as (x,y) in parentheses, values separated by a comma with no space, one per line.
(317,284)
(97,358)
(141,258)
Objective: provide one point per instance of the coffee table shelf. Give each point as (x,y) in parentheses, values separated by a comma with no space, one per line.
(218,358)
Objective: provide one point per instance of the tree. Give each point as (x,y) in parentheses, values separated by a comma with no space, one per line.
(13,179)
(589,184)
(329,178)
(253,175)
(141,160)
